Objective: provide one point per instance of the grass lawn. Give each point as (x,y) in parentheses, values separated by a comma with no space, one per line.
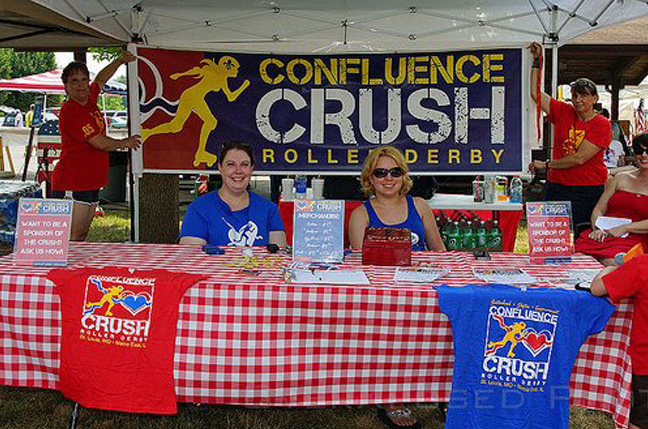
(23,408)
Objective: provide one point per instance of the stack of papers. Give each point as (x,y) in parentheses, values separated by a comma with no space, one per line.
(419,275)
(506,276)
(299,272)
(606,223)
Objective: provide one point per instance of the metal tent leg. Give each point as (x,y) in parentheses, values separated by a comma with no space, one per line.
(74,416)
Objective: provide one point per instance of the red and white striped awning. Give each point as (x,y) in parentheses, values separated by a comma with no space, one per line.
(50,83)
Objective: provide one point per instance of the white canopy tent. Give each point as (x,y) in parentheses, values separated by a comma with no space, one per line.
(300,26)
(344,26)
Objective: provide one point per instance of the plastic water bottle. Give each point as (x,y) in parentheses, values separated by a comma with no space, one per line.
(515,190)
(489,189)
(478,190)
(495,237)
(468,237)
(301,184)
(446,230)
(482,237)
(454,239)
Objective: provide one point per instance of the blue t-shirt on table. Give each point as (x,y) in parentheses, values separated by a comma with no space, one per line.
(211,219)
(413,222)
(514,353)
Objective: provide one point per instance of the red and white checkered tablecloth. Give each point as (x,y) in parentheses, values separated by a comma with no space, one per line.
(248,338)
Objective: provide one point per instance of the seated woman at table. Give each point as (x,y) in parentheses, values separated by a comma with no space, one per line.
(233,216)
(625,196)
(385,179)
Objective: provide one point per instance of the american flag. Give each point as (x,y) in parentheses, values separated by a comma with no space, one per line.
(639,119)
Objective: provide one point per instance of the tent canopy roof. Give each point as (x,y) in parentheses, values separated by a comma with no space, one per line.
(306,26)
(26,25)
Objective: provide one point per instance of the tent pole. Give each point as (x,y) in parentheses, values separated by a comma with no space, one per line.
(554,70)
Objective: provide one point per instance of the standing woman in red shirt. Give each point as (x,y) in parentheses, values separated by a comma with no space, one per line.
(576,171)
(82,169)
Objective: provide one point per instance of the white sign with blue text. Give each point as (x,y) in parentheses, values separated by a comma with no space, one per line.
(319,231)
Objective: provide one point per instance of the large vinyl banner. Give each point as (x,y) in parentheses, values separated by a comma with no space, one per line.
(449,112)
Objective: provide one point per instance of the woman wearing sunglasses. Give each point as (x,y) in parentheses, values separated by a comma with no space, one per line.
(385,178)
(386,181)
(625,196)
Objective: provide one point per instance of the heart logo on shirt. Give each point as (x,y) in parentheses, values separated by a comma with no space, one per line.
(536,342)
(135,303)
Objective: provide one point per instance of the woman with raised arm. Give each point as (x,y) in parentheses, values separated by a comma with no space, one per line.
(82,169)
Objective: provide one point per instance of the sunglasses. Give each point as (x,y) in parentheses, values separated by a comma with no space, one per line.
(380,173)
(639,150)
(587,84)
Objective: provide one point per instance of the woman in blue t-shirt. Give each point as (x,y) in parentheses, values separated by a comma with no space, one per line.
(385,178)
(233,216)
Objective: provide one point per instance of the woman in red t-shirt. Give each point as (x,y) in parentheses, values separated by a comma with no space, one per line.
(576,172)
(83,166)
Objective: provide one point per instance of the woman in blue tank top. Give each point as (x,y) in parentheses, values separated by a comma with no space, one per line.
(386,180)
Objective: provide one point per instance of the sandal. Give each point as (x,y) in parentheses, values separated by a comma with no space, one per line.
(387,417)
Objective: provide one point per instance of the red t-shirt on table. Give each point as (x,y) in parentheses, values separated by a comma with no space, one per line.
(630,281)
(569,133)
(81,167)
(118,336)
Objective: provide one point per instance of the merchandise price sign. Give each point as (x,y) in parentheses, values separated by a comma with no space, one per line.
(43,232)
(550,231)
(319,231)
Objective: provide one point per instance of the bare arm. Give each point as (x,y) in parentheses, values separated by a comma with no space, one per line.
(192,240)
(278,238)
(640,227)
(108,144)
(107,72)
(598,287)
(358,222)
(585,152)
(601,208)
(433,238)
(545,99)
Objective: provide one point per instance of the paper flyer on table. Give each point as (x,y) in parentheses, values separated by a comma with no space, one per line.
(606,223)
(583,275)
(326,276)
(510,276)
(419,275)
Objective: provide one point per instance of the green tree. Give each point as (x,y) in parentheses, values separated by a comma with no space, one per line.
(17,64)
(105,54)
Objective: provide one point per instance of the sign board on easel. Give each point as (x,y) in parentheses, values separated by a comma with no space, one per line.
(550,231)
(319,231)
(43,232)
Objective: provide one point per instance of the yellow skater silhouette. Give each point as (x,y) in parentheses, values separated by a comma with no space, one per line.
(213,77)
(109,297)
(512,336)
